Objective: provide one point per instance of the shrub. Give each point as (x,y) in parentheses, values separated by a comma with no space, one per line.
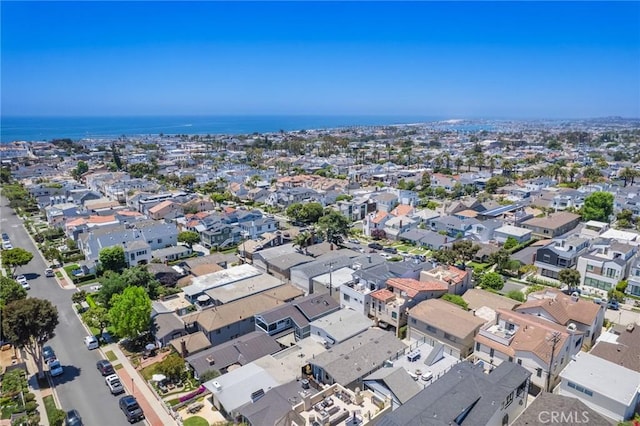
(30,406)
(90,301)
(193,394)
(454,298)
(79,296)
(516,295)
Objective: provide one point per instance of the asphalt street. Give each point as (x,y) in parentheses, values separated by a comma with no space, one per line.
(80,386)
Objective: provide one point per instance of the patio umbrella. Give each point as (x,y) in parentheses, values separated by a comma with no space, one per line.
(150,346)
(158,377)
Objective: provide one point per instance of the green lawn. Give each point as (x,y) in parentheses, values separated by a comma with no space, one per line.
(50,407)
(70,268)
(195,421)
(111,356)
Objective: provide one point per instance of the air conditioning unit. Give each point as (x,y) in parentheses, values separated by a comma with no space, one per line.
(217,385)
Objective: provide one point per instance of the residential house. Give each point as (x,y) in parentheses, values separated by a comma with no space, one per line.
(356,295)
(555,306)
(375,221)
(568,199)
(438,180)
(633,287)
(166,210)
(234,353)
(456,280)
(553,225)
(339,326)
(393,383)
(610,389)
(521,235)
(484,304)
(385,201)
(566,411)
(398,225)
(170,254)
(438,321)
(452,226)
(620,345)
(295,316)
(426,238)
(607,264)
(541,346)
(560,254)
(466,395)
(349,362)
(389,305)
(223,323)
(57,214)
(594,229)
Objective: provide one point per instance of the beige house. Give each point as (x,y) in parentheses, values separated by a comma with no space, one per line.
(438,321)
(457,280)
(166,210)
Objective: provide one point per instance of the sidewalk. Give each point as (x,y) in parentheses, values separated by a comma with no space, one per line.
(32,374)
(154,410)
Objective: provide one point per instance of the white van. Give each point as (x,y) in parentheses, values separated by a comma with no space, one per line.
(91,342)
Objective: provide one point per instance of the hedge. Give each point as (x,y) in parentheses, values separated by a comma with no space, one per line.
(84,278)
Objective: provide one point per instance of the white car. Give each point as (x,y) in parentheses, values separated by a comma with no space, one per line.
(22,280)
(91,342)
(6,245)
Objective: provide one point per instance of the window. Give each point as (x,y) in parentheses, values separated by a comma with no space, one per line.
(346,297)
(449,337)
(539,372)
(478,346)
(413,321)
(510,359)
(546,258)
(492,352)
(509,400)
(519,361)
(589,268)
(431,329)
(394,315)
(159,240)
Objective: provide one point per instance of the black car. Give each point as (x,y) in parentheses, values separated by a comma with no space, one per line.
(48,354)
(73,418)
(131,409)
(391,250)
(105,367)
(5,236)
(376,246)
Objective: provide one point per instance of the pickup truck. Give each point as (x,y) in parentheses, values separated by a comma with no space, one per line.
(115,386)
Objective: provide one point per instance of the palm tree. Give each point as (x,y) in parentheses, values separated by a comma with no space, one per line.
(573,171)
(458,163)
(302,240)
(470,162)
(492,163)
(480,161)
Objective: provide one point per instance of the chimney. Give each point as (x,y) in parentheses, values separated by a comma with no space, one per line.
(183,348)
(211,360)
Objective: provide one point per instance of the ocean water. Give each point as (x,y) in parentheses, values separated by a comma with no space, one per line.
(47,128)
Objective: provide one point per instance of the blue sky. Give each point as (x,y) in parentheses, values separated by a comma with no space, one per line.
(454,59)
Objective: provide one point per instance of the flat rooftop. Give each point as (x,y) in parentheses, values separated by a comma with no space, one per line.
(243,288)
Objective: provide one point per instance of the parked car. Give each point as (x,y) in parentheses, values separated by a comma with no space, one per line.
(73,418)
(391,250)
(49,273)
(613,305)
(55,368)
(22,280)
(131,409)
(5,236)
(48,354)
(6,245)
(376,246)
(105,367)
(114,384)
(91,342)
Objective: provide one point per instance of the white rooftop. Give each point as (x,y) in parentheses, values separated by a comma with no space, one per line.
(342,324)
(240,289)
(603,377)
(513,230)
(337,277)
(619,235)
(216,279)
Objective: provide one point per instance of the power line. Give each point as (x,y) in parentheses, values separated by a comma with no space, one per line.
(554,338)
(330,265)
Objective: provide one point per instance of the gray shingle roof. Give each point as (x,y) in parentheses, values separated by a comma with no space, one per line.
(398,381)
(549,402)
(463,387)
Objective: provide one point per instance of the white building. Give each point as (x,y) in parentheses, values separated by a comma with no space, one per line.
(608,388)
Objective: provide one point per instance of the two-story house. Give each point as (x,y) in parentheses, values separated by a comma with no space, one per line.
(386,201)
(555,306)
(633,287)
(607,264)
(560,254)
(456,280)
(542,347)
(389,305)
(553,225)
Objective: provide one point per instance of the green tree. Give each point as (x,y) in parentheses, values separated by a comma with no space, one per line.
(492,280)
(10,291)
(510,243)
(16,257)
(172,367)
(82,167)
(516,295)
(130,312)
(189,237)
(500,258)
(112,283)
(97,317)
(622,286)
(598,206)
(112,259)
(302,240)
(140,276)
(569,277)
(454,298)
(5,175)
(28,324)
(312,212)
(334,226)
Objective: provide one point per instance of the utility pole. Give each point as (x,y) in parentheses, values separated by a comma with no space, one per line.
(330,265)
(553,339)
